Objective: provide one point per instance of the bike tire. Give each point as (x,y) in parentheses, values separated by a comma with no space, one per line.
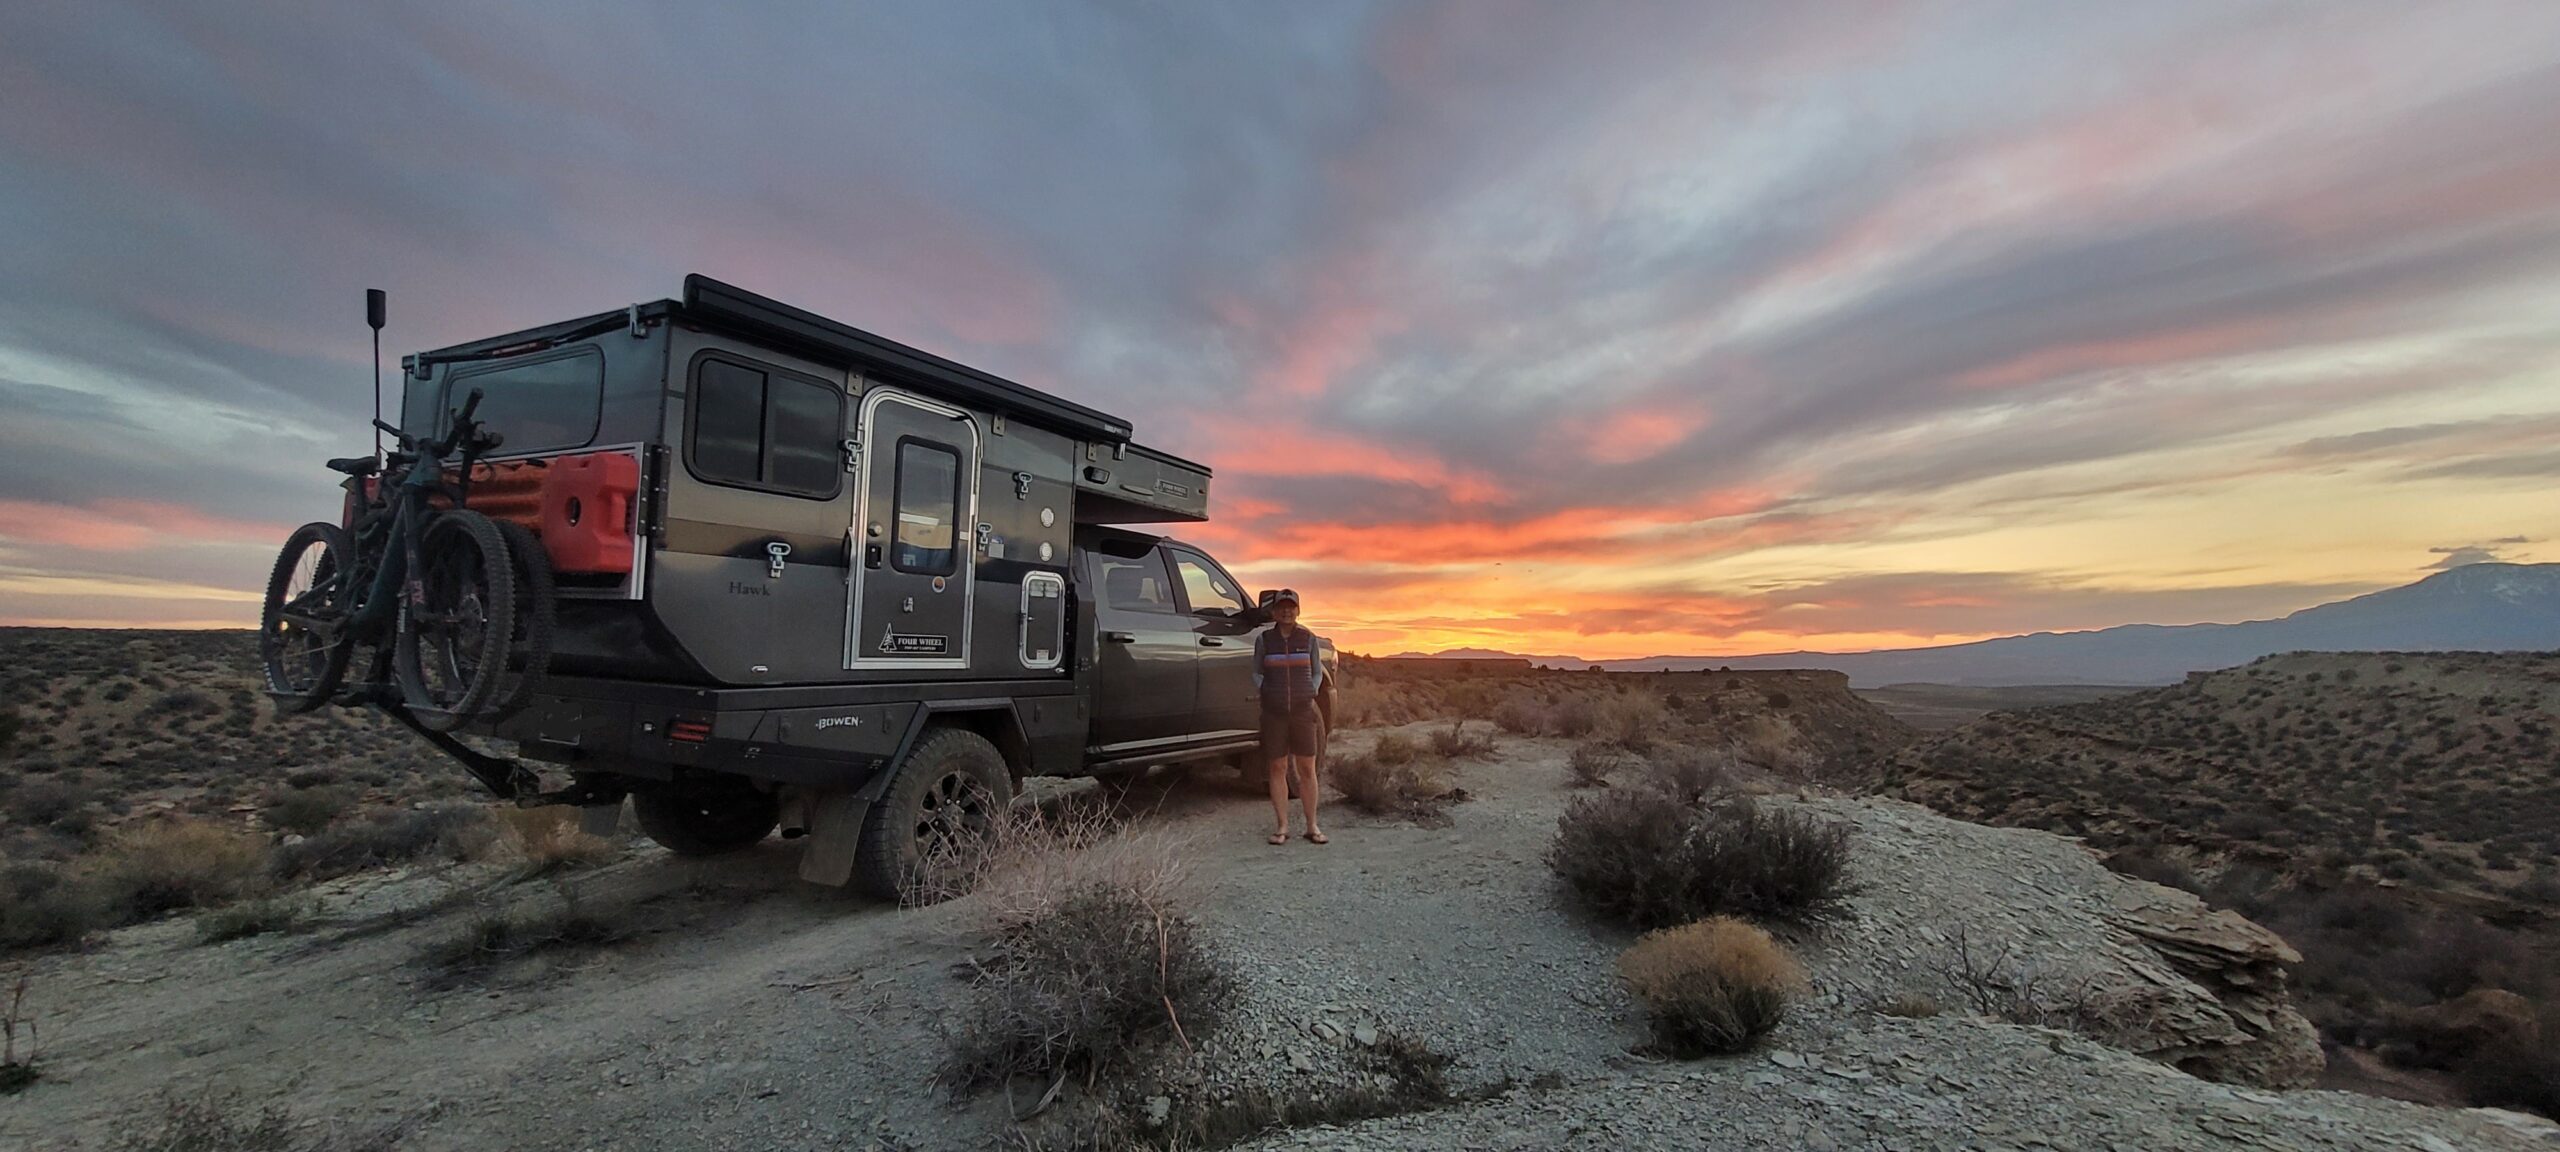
(536,614)
(304,668)
(456,622)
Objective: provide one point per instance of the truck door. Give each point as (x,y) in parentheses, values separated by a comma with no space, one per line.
(1228,703)
(914,560)
(1146,654)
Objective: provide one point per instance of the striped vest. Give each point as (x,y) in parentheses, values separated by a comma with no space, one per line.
(1287,665)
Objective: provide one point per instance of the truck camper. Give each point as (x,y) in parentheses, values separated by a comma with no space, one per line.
(750,568)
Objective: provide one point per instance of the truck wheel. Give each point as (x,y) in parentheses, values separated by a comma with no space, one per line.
(707,819)
(953,788)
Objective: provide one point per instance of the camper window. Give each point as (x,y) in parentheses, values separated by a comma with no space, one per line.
(541,404)
(928,509)
(757,427)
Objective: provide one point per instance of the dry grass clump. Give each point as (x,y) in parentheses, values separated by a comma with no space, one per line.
(273,914)
(500,936)
(1650,859)
(549,840)
(217,1123)
(1455,741)
(1711,987)
(1093,961)
(304,811)
(169,865)
(1690,774)
(1394,750)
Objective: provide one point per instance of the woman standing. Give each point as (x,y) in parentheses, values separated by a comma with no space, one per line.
(1290,674)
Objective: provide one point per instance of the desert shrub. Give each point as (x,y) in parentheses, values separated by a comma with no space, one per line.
(548,839)
(1631,720)
(1413,787)
(1591,764)
(310,777)
(216,1123)
(1082,983)
(169,865)
(1521,714)
(2147,862)
(1780,701)
(1455,741)
(1711,987)
(304,811)
(186,702)
(1645,857)
(10,725)
(2521,1071)
(453,831)
(253,918)
(1575,716)
(1690,774)
(1393,749)
(47,803)
(45,904)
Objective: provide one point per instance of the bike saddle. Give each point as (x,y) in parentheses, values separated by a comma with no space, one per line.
(356,465)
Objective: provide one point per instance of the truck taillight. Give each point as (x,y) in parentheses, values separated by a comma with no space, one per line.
(689,731)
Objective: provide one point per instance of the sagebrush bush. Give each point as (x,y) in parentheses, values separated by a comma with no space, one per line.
(304,811)
(1711,987)
(169,865)
(1393,749)
(1648,859)
(1591,764)
(497,936)
(1413,786)
(1081,984)
(253,918)
(1631,720)
(1690,774)
(1521,714)
(47,803)
(451,831)
(45,904)
(1455,741)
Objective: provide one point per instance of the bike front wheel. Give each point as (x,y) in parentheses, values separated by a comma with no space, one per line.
(457,618)
(303,641)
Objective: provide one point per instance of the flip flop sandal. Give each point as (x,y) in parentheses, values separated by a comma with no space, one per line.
(1279,837)
(1318,838)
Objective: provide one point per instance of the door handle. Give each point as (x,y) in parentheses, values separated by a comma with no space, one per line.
(1121,637)
(1212,642)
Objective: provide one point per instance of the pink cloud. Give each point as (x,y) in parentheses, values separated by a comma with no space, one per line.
(124,525)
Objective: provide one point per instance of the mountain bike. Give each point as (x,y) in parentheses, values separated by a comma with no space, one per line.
(428,586)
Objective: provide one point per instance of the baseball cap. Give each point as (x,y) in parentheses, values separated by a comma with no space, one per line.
(1285,596)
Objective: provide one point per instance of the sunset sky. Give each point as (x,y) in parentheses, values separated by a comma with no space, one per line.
(1601,329)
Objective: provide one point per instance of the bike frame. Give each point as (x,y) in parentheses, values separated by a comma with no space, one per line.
(388,529)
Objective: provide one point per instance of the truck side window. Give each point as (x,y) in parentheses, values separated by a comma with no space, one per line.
(1137,585)
(1203,588)
(754,427)
(928,509)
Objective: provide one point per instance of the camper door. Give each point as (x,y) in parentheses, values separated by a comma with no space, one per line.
(913,556)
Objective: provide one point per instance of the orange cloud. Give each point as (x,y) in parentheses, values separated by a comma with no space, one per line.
(2130,352)
(124,525)
(1639,432)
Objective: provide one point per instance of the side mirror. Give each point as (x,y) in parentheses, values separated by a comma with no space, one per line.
(1265,597)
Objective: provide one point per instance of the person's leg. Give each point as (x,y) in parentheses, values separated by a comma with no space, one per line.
(1280,800)
(1302,745)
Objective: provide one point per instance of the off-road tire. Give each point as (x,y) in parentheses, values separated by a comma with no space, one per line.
(707,819)
(302,678)
(954,783)
(536,614)
(465,549)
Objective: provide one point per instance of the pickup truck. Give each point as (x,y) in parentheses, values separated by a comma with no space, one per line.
(795,575)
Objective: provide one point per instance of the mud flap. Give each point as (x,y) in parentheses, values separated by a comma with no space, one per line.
(835,832)
(603,820)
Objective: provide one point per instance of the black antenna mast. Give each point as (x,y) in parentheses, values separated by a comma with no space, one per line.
(373,310)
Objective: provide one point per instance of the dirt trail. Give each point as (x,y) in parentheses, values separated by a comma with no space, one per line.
(759,1013)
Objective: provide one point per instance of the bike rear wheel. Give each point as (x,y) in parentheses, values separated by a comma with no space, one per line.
(535,620)
(456,621)
(303,642)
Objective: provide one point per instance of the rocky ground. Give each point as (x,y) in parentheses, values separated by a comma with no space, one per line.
(750,1012)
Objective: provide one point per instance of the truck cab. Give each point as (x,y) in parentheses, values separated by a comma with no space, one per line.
(805,576)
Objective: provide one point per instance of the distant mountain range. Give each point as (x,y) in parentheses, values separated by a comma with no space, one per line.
(2477,607)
